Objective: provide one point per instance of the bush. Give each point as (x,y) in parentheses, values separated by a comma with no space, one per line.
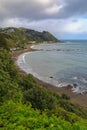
(3,43)
(64,96)
(40,98)
(16,116)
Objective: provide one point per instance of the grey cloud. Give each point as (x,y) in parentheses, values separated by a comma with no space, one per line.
(21,9)
(28,9)
(74,8)
(34,10)
(33,14)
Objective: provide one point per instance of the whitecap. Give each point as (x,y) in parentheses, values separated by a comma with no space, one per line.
(75,78)
(32,47)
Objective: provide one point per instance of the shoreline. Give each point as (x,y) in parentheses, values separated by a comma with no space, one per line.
(75,98)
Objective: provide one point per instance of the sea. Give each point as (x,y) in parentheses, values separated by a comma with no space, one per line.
(59,64)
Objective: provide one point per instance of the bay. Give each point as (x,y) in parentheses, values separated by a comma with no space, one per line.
(59,64)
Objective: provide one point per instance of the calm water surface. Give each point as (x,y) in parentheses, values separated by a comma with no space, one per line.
(59,64)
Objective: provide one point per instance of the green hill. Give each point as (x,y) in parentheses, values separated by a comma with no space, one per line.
(17,37)
(26,105)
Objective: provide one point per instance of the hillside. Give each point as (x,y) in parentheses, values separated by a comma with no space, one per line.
(26,105)
(18,37)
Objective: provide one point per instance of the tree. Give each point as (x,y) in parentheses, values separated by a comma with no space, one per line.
(3,43)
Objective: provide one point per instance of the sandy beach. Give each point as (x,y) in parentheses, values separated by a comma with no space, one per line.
(75,98)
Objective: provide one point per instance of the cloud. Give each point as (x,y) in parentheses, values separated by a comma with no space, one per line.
(76,26)
(58,16)
(60,27)
(75,7)
(44,1)
(28,9)
(42,9)
(53,9)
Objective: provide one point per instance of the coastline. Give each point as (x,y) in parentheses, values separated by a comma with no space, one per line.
(75,98)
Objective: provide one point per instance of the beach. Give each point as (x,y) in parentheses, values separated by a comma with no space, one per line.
(79,99)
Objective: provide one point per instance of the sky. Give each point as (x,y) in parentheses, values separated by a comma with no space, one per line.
(66,19)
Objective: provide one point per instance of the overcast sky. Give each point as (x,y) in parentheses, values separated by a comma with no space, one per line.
(64,18)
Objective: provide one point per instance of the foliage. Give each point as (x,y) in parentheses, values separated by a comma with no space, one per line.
(64,96)
(8,77)
(39,97)
(78,110)
(16,116)
(3,43)
(19,37)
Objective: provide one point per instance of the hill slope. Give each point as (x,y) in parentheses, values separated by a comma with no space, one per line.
(17,37)
(26,105)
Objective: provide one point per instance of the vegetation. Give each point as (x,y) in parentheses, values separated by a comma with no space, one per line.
(19,37)
(16,116)
(26,105)
(3,43)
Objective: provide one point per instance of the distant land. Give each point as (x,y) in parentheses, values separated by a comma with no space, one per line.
(19,37)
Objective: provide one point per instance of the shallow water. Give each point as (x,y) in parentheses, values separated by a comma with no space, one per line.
(59,64)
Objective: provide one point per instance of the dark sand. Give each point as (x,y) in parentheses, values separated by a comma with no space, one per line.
(75,98)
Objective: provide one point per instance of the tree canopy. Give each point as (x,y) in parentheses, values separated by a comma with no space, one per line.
(3,43)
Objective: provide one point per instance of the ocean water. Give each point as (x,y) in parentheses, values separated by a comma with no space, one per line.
(59,64)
